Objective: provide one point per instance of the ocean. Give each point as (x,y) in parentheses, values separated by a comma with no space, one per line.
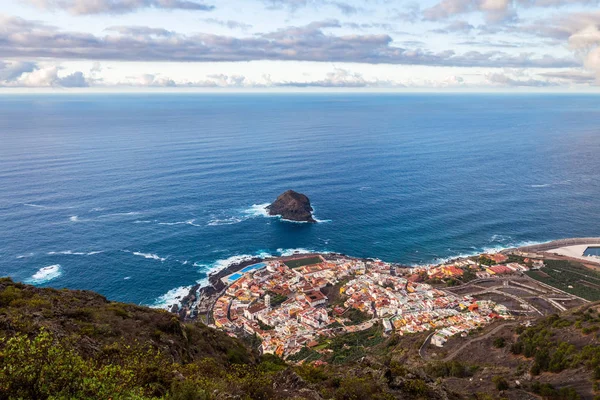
(139,196)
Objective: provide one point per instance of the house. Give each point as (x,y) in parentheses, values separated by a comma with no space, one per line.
(315,298)
(438,340)
(254,311)
(537,264)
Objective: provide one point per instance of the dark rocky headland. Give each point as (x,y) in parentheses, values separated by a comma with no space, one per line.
(292,206)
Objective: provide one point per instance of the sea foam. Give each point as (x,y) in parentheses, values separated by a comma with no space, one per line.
(190,222)
(73,253)
(148,256)
(173,296)
(45,274)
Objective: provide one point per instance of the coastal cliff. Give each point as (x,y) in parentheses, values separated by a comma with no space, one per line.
(292,206)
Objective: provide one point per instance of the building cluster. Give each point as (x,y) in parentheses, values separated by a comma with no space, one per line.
(502,269)
(284,305)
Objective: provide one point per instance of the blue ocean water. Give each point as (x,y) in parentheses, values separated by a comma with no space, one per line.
(135,196)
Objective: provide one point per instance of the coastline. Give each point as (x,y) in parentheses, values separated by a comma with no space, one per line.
(555,244)
(200,299)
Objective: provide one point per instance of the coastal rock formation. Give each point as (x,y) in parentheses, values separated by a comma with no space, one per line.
(293,206)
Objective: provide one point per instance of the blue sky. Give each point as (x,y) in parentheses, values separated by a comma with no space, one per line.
(295,45)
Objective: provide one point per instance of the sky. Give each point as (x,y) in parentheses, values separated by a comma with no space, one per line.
(299,45)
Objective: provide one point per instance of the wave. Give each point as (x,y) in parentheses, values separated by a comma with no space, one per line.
(173,296)
(33,205)
(544,185)
(142,222)
(319,221)
(148,256)
(45,274)
(127,278)
(481,250)
(74,218)
(300,250)
(74,253)
(119,214)
(225,221)
(259,210)
(28,255)
(190,222)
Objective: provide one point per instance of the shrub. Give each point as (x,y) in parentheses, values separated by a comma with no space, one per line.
(187,390)
(416,387)
(500,383)
(42,368)
(10,294)
(499,342)
(357,388)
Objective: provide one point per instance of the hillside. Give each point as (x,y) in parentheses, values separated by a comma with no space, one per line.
(76,344)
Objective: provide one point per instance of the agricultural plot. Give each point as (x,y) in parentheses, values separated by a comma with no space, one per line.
(571,277)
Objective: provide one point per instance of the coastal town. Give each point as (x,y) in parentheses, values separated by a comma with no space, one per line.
(294,303)
(297,304)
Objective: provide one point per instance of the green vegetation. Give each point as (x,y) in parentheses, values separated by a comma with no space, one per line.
(468,275)
(264,326)
(571,277)
(276,299)
(303,261)
(356,316)
(486,261)
(454,369)
(62,344)
(547,391)
(353,346)
(550,353)
(500,383)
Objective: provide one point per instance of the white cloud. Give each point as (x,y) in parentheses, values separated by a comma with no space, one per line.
(30,74)
(86,7)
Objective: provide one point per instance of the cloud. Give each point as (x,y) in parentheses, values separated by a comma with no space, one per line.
(87,7)
(76,79)
(410,13)
(293,5)
(228,23)
(339,78)
(580,30)
(10,72)
(504,80)
(570,76)
(494,10)
(36,76)
(456,26)
(26,39)
(31,74)
(140,31)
